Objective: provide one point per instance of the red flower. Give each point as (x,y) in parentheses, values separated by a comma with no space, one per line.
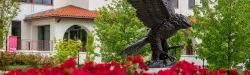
(137,59)
(233,72)
(57,70)
(32,71)
(15,72)
(70,63)
(79,72)
(129,58)
(114,63)
(114,68)
(46,70)
(247,72)
(88,65)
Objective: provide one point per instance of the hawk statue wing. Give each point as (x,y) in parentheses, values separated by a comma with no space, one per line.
(153,12)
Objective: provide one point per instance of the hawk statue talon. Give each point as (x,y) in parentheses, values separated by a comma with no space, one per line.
(160,17)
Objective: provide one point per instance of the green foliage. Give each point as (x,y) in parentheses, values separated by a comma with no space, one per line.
(223,26)
(90,48)
(179,39)
(247,65)
(8,59)
(117,27)
(8,10)
(67,49)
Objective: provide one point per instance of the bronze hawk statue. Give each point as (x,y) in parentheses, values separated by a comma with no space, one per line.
(160,17)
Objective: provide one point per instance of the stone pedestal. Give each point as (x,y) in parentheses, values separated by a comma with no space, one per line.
(156,70)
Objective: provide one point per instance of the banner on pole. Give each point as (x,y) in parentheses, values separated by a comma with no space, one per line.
(12,43)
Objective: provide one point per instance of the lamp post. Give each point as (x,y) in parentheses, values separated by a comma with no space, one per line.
(78,57)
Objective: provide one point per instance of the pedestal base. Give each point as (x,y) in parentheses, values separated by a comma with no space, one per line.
(160,63)
(155,70)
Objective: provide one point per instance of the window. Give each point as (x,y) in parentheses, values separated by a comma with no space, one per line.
(16,28)
(48,2)
(76,32)
(16,31)
(176,3)
(44,38)
(191,4)
(26,1)
(38,1)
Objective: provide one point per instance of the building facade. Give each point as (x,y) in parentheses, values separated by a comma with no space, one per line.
(41,22)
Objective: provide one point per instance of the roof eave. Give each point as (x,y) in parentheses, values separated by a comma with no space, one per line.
(36,18)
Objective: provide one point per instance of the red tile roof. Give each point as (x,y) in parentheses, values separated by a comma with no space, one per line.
(65,12)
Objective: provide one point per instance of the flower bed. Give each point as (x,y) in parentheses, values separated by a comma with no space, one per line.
(133,66)
(8,61)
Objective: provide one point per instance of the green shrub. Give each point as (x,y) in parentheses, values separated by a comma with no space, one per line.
(247,65)
(17,59)
(67,49)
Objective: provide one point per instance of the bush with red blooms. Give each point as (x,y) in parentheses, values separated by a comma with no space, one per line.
(134,66)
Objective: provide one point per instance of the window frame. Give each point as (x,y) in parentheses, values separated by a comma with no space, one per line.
(34,2)
(191,5)
(176,6)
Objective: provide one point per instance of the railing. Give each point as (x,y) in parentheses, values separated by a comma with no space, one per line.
(40,45)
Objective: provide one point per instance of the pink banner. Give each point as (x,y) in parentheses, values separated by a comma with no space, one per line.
(12,47)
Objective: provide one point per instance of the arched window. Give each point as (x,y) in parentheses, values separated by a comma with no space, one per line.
(76,33)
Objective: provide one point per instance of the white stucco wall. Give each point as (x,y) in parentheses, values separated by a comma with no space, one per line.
(61,3)
(87,4)
(95,4)
(79,3)
(184,9)
(61,27)
(57,29)
(41,22)
(28,9)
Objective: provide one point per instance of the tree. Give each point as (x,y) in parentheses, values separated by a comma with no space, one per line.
(117,27)
(223,26)
(8,10)
(90,48)
(182,37)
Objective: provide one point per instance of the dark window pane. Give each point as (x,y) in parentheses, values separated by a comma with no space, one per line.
(176,3)
(191,4)
(16,28)
(44,38)
(26,1)
(38,1)
(47,1)
(22,0)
